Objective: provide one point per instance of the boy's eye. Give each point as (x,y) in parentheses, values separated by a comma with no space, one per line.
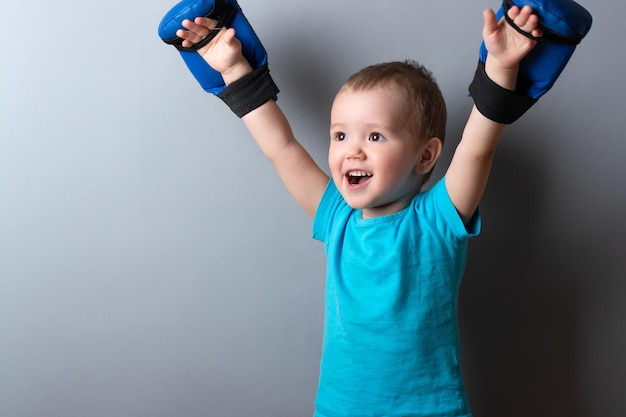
(376,137)
(339,136)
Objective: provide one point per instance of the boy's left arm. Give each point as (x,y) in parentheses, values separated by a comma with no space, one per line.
(469,169)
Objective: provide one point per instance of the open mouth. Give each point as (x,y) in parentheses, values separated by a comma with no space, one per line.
(357,177)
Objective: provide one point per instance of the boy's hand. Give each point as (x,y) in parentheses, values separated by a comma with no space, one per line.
(506,46)
(223,53)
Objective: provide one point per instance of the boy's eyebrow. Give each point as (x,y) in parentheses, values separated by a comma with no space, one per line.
(338,126)
(369,126)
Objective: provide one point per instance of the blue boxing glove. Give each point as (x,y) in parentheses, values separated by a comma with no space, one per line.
(564,24)
(228,14)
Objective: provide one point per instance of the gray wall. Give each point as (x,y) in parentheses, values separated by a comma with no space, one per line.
(151,263)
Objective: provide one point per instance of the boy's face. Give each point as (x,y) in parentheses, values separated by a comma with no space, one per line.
(374,160)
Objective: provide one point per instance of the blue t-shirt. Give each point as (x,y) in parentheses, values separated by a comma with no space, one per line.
(391,342)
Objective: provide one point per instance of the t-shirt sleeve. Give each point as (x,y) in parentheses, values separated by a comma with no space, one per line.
(437,206)
(331,199)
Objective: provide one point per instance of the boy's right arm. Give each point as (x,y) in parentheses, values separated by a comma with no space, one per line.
(303,178)
(269,127)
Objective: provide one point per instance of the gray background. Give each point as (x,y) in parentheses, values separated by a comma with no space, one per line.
(151,263)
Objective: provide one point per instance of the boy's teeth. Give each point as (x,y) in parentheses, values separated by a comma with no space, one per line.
(358,174)
(355,177)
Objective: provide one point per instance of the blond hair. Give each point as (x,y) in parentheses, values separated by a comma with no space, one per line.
(424,112)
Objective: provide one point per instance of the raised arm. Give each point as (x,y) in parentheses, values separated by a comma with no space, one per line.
(469,169)
(268,125)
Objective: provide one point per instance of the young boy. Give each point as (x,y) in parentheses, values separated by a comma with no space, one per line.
(395,253)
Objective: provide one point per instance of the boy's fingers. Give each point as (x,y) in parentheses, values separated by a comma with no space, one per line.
(524,18)
(518,15)
(206,22)
(188,36)
(196,30)
(491,23)
(229,36)
(531,24)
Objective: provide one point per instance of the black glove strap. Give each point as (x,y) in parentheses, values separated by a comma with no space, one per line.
(250,92)
(495,102)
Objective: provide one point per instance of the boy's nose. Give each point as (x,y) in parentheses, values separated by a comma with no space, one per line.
(355,152)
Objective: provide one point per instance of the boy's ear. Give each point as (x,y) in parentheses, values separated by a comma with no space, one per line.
(429,155)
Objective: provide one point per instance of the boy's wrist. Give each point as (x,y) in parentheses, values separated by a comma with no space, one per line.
(235,72)
(505,77)
(498,100)
(249,92)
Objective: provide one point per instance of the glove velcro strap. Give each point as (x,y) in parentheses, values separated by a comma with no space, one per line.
(250,92)
(495,102)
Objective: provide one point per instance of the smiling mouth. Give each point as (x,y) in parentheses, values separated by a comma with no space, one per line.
(356,177)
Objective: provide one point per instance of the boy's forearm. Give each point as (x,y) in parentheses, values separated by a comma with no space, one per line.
(269,128)
(480,130)
(267,123)
(481,135)
(469,169)
(272,133)
(302,177)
